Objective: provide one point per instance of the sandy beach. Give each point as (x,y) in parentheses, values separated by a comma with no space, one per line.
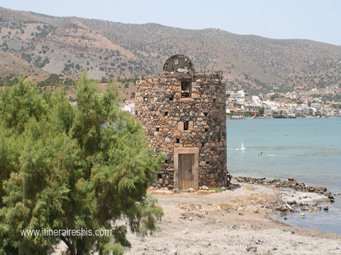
(238,221)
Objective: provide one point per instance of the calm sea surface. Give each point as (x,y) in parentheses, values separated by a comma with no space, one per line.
(308,150)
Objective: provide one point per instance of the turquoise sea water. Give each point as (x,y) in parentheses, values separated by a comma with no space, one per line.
(308,150)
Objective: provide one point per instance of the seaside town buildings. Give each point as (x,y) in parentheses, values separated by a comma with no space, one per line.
(283,105)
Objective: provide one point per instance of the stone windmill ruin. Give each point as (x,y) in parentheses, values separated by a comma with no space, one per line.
(184,113)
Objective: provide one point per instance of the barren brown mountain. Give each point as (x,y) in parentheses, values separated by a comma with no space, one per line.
(36,44)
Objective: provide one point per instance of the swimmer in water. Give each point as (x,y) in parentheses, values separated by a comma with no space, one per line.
(260,154)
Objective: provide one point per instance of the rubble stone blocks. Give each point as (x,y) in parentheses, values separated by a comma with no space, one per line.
(182,109)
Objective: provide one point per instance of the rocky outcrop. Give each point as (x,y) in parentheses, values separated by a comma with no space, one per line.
(289,183)
(295,196)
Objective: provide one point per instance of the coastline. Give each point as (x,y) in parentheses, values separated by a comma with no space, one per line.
(236,221)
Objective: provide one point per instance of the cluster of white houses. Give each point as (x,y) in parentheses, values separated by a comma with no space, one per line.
(278,105)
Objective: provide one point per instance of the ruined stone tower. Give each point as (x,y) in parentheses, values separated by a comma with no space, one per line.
(184,114)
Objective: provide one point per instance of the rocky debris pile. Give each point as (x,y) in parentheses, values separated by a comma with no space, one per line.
(294,196)
(192,211)
(204,187)
(298,201)
(289,183)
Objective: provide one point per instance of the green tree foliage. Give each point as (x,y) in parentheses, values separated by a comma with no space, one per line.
(55,80)
(8,81)
(261,111)
(72,167)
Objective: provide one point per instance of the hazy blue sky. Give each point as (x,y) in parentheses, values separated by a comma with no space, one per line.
(309,19)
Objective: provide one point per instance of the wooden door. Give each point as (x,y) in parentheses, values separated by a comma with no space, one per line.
(186,162)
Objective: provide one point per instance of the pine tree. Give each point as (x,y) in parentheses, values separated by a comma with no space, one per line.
(72,167)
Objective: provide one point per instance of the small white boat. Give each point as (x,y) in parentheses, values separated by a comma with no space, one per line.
(242,147)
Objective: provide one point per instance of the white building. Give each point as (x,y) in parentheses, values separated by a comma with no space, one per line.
(128,106)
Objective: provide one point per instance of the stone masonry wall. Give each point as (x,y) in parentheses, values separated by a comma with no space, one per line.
(163,112)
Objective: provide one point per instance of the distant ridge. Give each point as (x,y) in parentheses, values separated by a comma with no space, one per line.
(67,45)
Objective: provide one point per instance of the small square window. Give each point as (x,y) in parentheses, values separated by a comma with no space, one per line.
(205,113)
(165,113)
(166,161)
(206,129)
(177,140)
(214,100)
(157,129)
(171,98)
(202,144)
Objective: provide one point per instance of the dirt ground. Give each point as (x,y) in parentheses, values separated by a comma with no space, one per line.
(230,222)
